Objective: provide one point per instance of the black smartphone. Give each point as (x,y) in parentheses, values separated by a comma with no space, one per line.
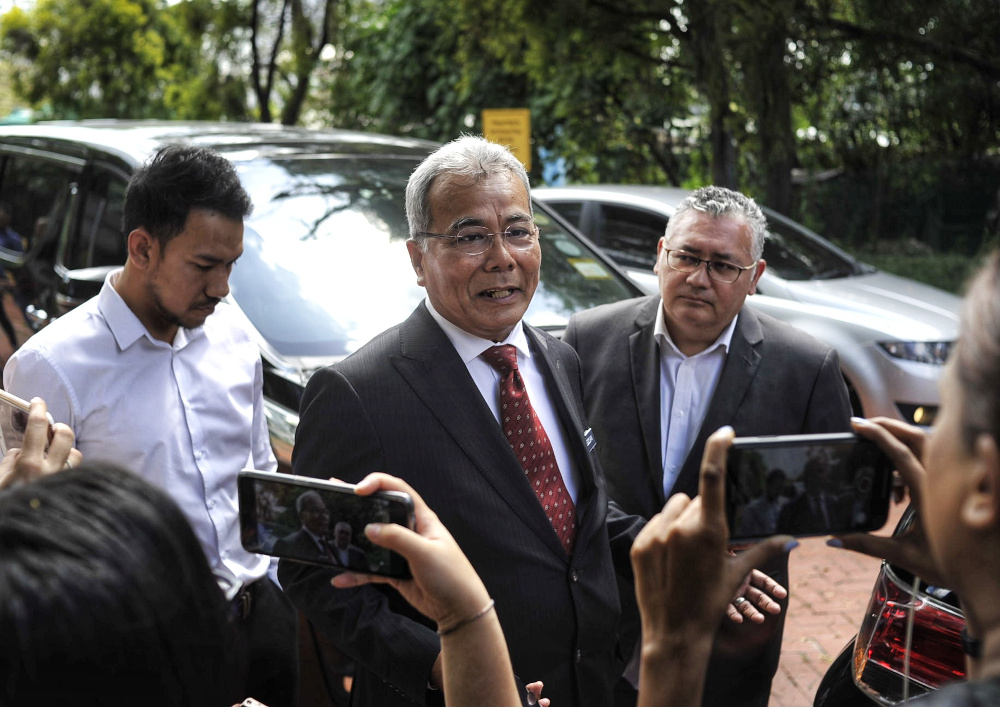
(319,522)
(14,421)
(806,485)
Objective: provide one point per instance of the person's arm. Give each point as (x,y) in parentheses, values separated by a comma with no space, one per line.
(445,588)
(685,579)
(33,460)
(263,454)
(30,374)
(829,407)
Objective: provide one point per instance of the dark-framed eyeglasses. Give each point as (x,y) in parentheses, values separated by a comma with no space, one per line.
(476,240)
(718,270)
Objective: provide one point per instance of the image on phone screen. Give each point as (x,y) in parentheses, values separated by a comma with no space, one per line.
(806,487)
(300,519)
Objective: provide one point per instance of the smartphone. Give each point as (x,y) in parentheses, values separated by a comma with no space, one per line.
(14,421)
(319,522)
(806,485)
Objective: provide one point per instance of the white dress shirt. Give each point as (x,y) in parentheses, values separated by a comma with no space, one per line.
(687,384)
(487,379)
(187,416)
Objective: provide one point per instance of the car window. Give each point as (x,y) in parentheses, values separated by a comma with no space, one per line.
(97,236)
(325,266)
(792,255)
(39,193)
(569,210)
(629,235)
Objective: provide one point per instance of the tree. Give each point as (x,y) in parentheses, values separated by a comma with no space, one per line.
(99,58)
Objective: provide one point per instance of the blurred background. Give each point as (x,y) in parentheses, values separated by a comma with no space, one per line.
(875,125)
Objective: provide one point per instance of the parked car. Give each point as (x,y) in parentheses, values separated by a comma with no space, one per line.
(892,334)
(324,267)
(909,643)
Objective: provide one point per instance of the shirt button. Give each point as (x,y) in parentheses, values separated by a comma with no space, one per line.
(579,655)
(211,504)
(573,576)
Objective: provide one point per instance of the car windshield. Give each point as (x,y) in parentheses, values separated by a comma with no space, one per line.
(325,266)
(792,255)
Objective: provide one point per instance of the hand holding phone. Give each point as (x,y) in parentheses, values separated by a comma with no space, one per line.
(43,447)
(319,522)
(806,485)
(14,421)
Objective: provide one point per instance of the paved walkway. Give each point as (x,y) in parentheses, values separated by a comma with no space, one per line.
(829,596)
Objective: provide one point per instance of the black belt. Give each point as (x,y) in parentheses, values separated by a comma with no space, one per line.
(242,604)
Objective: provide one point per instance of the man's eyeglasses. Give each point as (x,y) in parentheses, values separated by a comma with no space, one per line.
(476,240)
(718,270)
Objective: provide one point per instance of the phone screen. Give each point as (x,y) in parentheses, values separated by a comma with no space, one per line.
(319,522)
(806,485)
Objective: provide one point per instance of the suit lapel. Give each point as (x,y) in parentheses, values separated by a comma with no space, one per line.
(434,370)
(588,504)
(737,375)
(645,364)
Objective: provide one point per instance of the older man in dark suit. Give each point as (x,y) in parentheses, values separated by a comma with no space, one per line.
(443,400)
(660,374)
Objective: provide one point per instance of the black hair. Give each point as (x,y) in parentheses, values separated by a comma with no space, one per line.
(106,598)
(176,180)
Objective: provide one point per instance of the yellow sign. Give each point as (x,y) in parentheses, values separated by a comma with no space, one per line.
(510,127)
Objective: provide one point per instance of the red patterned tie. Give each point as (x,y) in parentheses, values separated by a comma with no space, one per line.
(531,445)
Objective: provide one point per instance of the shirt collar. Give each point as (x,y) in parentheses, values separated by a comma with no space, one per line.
(662,336)
(125,326)
(470,347)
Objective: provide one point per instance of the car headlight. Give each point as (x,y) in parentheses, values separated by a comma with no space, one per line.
(933,352)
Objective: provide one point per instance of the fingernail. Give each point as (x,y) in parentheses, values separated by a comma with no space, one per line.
(791,545)
(372,530)
(835,542)
(728,429)
(860,421)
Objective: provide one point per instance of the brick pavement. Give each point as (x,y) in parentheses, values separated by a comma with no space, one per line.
(829,594)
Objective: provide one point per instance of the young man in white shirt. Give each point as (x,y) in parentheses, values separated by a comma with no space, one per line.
(160,375)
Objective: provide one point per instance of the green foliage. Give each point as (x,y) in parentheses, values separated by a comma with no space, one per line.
(98,58)
(902,104)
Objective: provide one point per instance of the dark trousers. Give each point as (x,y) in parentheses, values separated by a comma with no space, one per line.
(268,631)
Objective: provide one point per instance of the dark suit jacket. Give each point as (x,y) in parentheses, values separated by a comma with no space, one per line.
(300,544)
(405,404)
(776,380)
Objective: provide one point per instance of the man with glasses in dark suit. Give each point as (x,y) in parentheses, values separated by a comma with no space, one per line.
(482,415)
(660,374)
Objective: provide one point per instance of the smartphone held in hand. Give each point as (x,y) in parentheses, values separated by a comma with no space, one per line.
(14,421)
(806,485)
(319,522)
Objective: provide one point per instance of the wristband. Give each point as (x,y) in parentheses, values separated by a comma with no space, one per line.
(464,622)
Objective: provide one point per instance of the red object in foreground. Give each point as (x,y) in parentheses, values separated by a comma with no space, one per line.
(880,649)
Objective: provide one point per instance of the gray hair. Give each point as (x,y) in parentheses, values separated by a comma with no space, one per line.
(471,158)
(718,202)
(300,502)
